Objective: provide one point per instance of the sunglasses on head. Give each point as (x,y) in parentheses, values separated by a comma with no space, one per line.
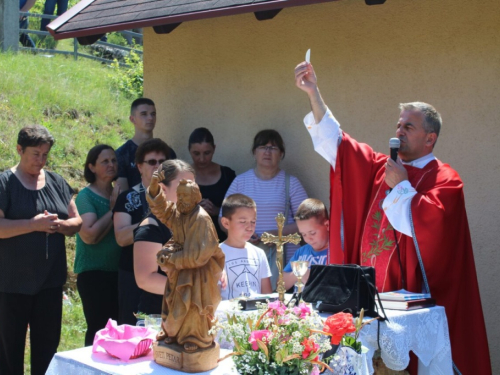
(153,162)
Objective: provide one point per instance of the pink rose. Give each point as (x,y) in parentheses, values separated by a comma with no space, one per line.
(302,310)
(261,335)
(277,308)
(283,321)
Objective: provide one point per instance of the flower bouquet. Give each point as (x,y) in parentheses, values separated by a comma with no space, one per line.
(279,340)
(347,350)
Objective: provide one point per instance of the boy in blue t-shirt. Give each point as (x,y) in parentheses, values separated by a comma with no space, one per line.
(312,221)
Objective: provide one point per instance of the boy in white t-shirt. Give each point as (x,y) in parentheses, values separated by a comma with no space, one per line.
(312,222)
(247,269)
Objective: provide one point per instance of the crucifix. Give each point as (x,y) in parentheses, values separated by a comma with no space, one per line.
(279,241)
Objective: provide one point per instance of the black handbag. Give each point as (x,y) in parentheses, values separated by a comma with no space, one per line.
(342,288)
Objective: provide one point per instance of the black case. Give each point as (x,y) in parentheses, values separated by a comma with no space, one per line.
(341,288)
(251,303)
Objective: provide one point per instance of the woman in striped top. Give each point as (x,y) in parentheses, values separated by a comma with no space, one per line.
(267,184)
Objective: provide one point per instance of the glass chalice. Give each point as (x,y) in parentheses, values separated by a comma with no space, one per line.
(299,269)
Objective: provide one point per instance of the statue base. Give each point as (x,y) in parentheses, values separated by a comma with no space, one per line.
(174,356)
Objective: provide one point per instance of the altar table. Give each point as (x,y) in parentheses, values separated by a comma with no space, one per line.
(84,362)
(424,331)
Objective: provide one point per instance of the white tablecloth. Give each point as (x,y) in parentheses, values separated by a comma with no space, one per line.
(84,362)
(424,331)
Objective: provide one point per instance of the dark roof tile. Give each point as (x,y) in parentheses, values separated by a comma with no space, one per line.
(196,7)
(90,17)
(161,12)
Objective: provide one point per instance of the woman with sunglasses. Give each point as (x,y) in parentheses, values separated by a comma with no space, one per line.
(130,209)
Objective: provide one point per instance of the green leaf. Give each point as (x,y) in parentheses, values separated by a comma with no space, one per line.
(279,357)
(263,347)
(351,342)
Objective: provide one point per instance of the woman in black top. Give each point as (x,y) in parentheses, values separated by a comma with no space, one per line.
(130,209)
(212,178)
(150,237)
(36,213)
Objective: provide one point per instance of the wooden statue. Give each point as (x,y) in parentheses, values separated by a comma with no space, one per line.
(193,262)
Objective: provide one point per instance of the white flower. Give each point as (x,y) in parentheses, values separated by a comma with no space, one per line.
(297,348)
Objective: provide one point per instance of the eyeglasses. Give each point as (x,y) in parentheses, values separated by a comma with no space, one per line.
(154,162)
(268,148)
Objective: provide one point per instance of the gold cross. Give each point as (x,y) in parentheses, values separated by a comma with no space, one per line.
(280,240)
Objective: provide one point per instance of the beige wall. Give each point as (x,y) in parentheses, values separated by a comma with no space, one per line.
(234,75)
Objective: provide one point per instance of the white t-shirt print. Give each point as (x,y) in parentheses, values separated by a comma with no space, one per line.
(245,268)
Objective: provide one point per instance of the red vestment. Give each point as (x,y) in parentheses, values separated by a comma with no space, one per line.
(441,232)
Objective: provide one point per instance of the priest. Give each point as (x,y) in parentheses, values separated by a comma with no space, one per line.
(406,218)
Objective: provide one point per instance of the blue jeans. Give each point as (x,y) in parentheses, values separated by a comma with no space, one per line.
(50,7)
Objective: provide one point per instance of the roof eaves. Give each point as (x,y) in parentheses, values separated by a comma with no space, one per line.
(66,16)
(192,16)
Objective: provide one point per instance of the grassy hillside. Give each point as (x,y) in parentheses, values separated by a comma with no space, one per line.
(78,102)
(75,100)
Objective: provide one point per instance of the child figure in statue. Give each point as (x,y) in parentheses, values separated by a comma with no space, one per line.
(193,262)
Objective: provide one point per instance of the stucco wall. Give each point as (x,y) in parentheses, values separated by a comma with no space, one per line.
(234,75)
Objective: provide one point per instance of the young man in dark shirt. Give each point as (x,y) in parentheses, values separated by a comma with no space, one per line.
(143,116)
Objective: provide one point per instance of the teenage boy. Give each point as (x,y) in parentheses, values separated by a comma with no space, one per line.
(143,116)
(313,225)
(246,267)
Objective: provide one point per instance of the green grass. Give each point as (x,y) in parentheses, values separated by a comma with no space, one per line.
(75,100)
(79,103)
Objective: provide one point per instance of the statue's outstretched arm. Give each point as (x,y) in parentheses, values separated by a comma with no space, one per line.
(159,206)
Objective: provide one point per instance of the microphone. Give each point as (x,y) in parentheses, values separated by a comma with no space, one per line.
(394,144)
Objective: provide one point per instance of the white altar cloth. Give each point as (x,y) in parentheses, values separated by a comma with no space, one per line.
(423,331)
(84,362)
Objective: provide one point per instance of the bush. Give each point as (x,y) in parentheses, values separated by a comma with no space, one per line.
(117,38)
(129,79)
